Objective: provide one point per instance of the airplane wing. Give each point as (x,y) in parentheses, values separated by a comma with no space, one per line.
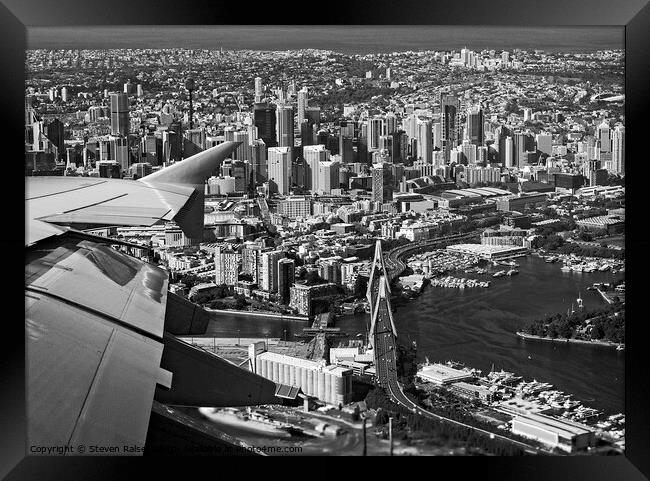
(174,193)
(100,324)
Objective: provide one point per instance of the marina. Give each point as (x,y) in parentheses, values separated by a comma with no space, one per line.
(510,394)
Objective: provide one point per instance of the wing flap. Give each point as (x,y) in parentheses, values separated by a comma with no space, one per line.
(89,381)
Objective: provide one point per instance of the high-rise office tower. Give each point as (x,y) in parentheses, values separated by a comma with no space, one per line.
(241,152)
(500,134)
(284,125)
(303,100)
(258,161)
(390,122)
(258,90)
(410,126)
(251,130)
(618,149)
(376,128)
(269,270)
(523,143)
(194,142)
(544,142)
(286,278)
(328,176)
(346,141)
(424,141)
(313,155)
(449,120)
(382,183)
(171,145)
(55,134)
(469,152)
(265,119)
(119,113)
(306,133)
(313,114)
(237,169)
(437,135)
(362,143)
(604,135)
(507,154)
(475,126)
(299,171)
(279,169)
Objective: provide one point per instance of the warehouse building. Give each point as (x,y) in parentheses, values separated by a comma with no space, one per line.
(566,435)
(520,202)
(331,384)
(442,374)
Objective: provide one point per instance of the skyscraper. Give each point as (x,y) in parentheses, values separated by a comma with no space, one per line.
(306,133)
(286,278)
(313,155)
(284,125)
(257,156)
(475,126)
(382,183)
(390,122)
(119,113)
(328,176)
(303,100)
(507,155)
(604,135)
(258,90)
(523,142)
(55,136)
(618,149)
(449,120)
(279,169)
(376,128)
(269,270)
(437,135)
(265,119)
(544,142)
(346,138)
(424,141)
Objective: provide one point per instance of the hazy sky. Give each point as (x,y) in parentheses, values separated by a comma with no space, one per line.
(348,39)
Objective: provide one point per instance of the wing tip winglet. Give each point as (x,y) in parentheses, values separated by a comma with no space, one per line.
(195,169)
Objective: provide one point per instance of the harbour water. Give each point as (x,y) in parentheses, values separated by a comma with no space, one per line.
(477,327)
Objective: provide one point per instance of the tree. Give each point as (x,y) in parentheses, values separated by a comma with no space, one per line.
(564,330)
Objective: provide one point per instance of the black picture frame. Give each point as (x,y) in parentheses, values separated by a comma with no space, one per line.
(16,15)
